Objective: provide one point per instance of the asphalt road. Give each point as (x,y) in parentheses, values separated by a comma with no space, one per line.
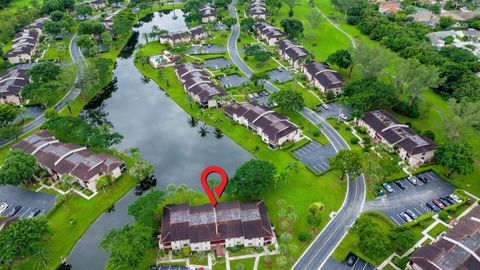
(326,242)
(77,57)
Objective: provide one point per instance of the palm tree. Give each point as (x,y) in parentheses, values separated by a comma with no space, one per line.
(145,79)
(203,131)
(171,188)
(103,182)
(41,257)
(190,100)
(66,181)
(192,122)
(292,167)
(218,133)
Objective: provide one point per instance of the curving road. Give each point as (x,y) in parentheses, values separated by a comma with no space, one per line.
(323,246)
(72,94)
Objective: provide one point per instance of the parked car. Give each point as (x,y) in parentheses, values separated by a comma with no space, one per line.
(325,106)
(405,217)
(260,93)
(265,93)
(351,259)
(432,206)
(455,198)
(423,179)
(399,184)
(250,96)
(387,187)
(275,104)
(450,200)
(445,202)
(438,203)
(255,95)
(343,117)
(14,211)
(413,179)
(411,214)
(3,207)
(34,213)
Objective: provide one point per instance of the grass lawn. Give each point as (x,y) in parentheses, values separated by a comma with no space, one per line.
(437,230)
(248,263)
(58,50)
(15,5)
(149,259)
(300,189)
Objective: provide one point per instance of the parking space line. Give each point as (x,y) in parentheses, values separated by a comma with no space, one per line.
(24,212)
(395,220)
(417,211)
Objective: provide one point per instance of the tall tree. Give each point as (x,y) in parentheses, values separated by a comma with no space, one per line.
(145,208)
(251,179)
(291,5)
(456,158)
(18,167)
(343,59)
(288,100)
(372,60)
(314,214)
(292,27)
(44,72)
(348,162)
(83,11)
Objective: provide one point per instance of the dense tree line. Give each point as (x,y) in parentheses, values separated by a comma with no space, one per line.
(45,87)
(400,34)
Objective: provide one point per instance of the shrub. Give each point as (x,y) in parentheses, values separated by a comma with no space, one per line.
(271,248)
(429,134)
(330,95)
(443,215)
(303,236)
(185,251)
(354,140)
(366,140)
(361,129)
(316,133)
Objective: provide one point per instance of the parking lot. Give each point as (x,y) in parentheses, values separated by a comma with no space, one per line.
(412,197)
(217,63)
(315,155)
(29,200)
(334,110)
(206,49)
(279,75)
(232,80)
(358,265)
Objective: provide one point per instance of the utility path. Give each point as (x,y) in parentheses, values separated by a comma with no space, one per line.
(323,246)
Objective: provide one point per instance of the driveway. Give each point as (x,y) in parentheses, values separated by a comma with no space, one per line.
(334,110)
(232,80)
(360,264)
(279,75)
(412,197)
(315,155)
(217,63)
(29,200)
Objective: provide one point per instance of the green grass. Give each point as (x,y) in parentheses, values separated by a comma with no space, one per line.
(437,230)
(248,263)
(15,5)
(58,50)
(294,191)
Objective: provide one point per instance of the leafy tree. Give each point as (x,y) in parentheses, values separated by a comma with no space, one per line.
(141,169)
(22,238)
(314,214)
(314,18)
(145,208)
(122,23)
(18,167)
(456,158)
(292,27)
(83,11)
(443,215)
(229,22)
(126,246)
(288,100)
(465,116)
(44,72)
(368,94)
(41,93)
(291,5)
(348,162)
(372,60)
(402,238)
(273,6)
(374,242)
(50,6)
(445,22)
(222,3)
(67,181)
(247,24)
(8,113)
(91,28)
(53,28)
(256,77)
(347,5)
(252,179)
(343,59)
(57,16)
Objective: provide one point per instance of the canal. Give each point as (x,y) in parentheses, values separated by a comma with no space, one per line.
(152,122)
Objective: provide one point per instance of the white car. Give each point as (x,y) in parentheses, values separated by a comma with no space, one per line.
(3,207)
(255,95)
(250,95)
(343,116)
(453,196)
(406,217)
(325,106)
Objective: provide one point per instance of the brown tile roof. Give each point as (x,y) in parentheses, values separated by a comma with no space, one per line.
(322,72)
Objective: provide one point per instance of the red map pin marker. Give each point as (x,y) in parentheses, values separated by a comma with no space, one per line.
(218,189)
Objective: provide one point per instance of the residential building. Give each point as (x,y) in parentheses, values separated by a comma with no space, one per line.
(389,7)
(273,128)
(323,77)
(258,10)
(25,42)
(205,228)
(209,12)
(426,17)
(58,159)
(191,35)
(293,53)
(198,85)
(413,148)
(11,83)
(95,4)
(456,249)
(269,33)
(164,59)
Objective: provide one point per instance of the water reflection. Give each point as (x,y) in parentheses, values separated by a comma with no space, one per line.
(145,185)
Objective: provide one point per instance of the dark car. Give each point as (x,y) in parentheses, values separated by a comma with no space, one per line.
(444,201)
(423,179)
(450,200)
(351,259)
(411,214)
(399,184)
(14,211)
(34,213)
(432,206)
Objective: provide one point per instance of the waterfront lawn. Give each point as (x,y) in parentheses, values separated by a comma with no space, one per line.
(300,189)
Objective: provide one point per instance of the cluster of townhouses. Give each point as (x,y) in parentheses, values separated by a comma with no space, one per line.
(411,147)
(273,128)
(198,84)
(209,12)
(191,35)
(11,83)
(25,42)
(59,159)
(205,228)
(318,74)
(95,4)
(258,10)
(456,249)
